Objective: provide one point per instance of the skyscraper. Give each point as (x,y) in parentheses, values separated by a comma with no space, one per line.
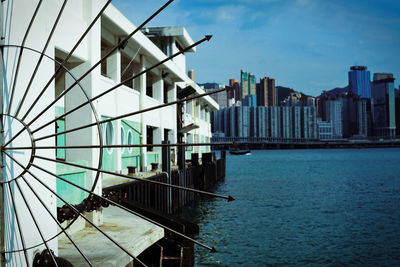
(248,85)
(244,83)
(384,113)
(360,81)
(252,84)
(266,92)
(235,92)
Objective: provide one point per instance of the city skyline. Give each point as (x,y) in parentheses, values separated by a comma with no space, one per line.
(268,36)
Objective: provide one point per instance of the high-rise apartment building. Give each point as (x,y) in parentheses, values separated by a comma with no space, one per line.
(266,92)
(276,122)
(248,86)
(235,92)
(360,81)
(244,83)
(334,114)
(252,84)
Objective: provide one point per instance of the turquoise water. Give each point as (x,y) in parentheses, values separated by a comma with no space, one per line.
(328,207)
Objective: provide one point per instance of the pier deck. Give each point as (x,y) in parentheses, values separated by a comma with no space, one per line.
(132,232)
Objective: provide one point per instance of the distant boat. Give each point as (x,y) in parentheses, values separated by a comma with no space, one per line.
(239,151)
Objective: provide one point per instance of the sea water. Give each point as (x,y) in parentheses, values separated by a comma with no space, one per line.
(324,207)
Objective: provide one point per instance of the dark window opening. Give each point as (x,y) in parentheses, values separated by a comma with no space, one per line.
(166,88)
(126,70)
(105,48)
(149,85)
(149,137)
(166,134)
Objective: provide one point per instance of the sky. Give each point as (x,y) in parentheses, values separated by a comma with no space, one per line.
(308,45)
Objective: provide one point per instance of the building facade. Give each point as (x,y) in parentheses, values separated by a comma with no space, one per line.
(384,110)
(276,123)
(248,88)
(124,84)
(266,92)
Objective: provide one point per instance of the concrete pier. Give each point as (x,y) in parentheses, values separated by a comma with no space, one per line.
(132,232)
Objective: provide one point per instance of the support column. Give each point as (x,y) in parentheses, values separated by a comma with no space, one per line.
(114,66)
(142,88)
(158,88)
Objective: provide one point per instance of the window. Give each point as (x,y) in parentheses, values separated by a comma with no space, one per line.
(149,84)
(149,138)
(130,141)
(109,136)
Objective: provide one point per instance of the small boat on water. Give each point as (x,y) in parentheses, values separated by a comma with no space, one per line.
(239,152)
(235,150)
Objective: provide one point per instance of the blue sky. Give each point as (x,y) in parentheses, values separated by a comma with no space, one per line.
(307,45)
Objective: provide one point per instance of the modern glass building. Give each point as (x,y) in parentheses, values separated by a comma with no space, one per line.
(360,81)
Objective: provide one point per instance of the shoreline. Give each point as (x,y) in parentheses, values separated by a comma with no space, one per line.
(356,144)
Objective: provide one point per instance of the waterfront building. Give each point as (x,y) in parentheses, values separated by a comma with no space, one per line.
(261,121)
(279,123)
(309,123)
(397,109)
(154,88)
(360,81)
(296,122)
(349,114)
(334,114)
(354,118)
(286,122)
(275,122)
(384,115)
(325,130)
(364,117)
